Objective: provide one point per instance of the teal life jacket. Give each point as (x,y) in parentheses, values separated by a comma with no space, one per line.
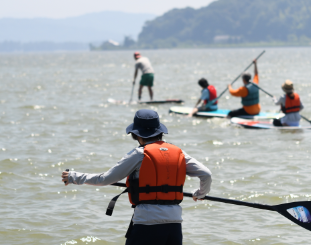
(253,95)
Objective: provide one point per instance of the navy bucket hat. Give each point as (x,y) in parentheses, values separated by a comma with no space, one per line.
(146,124)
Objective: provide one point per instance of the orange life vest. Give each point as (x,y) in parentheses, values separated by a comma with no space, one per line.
(161,176)
(291,104)
(212,94)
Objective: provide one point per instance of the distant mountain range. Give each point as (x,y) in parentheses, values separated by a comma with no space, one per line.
(94,27)
(223,22)
(231,21)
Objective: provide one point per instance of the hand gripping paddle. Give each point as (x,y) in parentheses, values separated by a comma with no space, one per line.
(297,212)
(67,170)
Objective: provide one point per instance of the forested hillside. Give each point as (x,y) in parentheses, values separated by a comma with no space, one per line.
(231,21)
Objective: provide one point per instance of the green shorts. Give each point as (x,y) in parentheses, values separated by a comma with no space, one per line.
(147,80)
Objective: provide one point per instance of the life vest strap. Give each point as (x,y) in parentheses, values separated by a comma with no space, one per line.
(163,188)
(161,202)
(147,189)
(290,108)
(112,203)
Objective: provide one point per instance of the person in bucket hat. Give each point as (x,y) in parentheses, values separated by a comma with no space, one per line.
(290,104)
(147,77)
(155,172)
(146,124)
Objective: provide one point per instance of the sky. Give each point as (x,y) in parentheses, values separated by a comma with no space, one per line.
(67,8)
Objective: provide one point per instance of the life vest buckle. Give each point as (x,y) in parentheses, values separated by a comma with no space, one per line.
(147,189)
(164,188)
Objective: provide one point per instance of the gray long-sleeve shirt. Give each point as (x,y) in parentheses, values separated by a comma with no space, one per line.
(147,214)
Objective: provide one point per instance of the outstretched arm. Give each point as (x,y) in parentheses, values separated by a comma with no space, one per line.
(197,169)
(199,101)
(122,169)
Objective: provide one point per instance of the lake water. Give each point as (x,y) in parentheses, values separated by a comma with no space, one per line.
(55,115)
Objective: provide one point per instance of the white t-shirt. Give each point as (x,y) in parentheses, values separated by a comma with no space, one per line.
(144,65)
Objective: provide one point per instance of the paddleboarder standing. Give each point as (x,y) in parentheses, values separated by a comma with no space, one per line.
(290,104)
(249,94)
(208,93)
(156,172)
(147,77)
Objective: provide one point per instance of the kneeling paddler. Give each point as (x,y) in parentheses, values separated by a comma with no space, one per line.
(208,94)
(156,173)
(249,94)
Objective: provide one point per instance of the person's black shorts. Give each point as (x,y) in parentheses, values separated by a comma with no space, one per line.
(237,113)
(164,234)
(277,123)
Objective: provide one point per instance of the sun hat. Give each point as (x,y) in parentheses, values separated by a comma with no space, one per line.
(288,86)
(137,55)
(146,124)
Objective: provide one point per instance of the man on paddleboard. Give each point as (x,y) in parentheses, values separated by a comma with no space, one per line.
(156,172)
(249,94)
(147,76)
(290,104)
(208,94)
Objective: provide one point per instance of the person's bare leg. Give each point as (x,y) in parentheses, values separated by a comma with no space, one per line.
(195,110)
(150,92)
(140,91)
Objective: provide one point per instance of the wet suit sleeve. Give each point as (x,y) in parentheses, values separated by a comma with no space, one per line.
(122,169)
(205,94)
(280,101)
(240,92)
(196,169)
(301,105)
(256,79)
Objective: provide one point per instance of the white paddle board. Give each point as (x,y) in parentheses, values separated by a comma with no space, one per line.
(261,124)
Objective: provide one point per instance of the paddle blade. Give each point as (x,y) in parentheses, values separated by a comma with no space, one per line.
(298,212)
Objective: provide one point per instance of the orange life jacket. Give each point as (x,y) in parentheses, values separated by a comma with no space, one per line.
(161,176)
(291,104)
(212,94)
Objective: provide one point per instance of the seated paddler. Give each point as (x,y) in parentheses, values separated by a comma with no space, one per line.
(208,94)
(249,94)
(290,104)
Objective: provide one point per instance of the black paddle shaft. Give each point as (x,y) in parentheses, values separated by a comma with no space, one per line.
(214,100)
(132,93)
(262,89)
(224,200)
(303,219)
